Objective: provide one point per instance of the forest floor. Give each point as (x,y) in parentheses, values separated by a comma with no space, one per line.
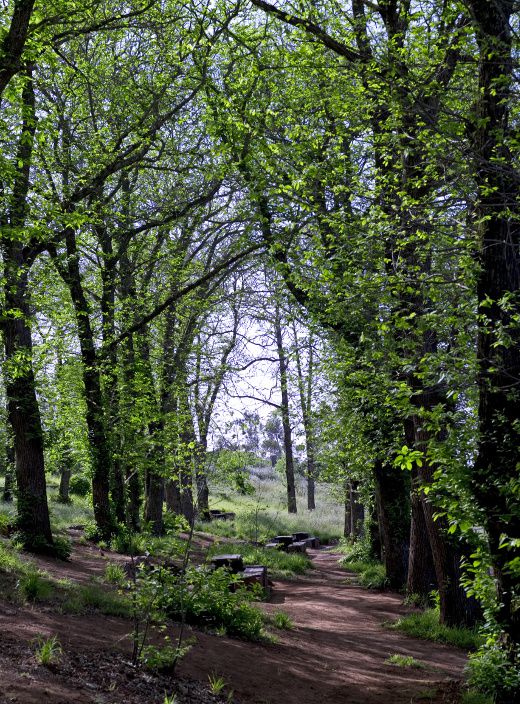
(336,653)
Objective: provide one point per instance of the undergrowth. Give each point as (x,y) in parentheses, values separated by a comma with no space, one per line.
(425,625)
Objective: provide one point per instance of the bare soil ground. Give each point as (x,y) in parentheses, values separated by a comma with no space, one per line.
(335,654)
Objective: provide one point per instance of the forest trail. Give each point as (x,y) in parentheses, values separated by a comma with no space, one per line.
(335,653)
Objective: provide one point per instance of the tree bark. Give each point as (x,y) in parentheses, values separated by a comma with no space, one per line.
(498,353)
(392,496)
(421,572)
(101,456)
(286,422)
(7,495)
(22,405)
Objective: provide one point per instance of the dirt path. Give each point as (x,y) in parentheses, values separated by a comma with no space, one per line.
(335,654)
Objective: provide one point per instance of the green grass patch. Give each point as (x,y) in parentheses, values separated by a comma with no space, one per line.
(282,621)
(371,575)
(264,515)
(471,697)
(35,586)
(280,564)
(425,625)
(85,598)
(404,661)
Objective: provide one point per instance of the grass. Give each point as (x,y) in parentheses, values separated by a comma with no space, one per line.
(84,598)
(404,661)
(282,621)
(216,684)
(471,697)
(34,585)
(115,574)
(49,650)
(425,625)
(371,575)
(280,564)
(264,514)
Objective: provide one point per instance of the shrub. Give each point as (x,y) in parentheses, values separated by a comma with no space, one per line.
(79,485)
(5,524)
(491,672)
(175,523)
(205,599)
(127,542)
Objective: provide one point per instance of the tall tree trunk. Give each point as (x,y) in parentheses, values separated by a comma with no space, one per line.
(63,492)
(201,480)
(154,498)
(110,369)
(305,390)
(101,457)
(498,290)
(33,520)
(392,496)
(347,525)
(22,405)
(7,494)
(357,511)
(286,421)
(421,572)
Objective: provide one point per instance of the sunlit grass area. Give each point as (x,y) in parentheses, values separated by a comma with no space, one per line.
(263,514)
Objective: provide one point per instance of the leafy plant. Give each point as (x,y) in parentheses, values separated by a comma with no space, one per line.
(79,485)
(205,599)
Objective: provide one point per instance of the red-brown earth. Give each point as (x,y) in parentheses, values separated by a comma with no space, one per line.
(336,653)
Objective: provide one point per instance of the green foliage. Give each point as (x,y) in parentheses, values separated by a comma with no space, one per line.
(128,542)
(491,672)
(282,621)
(216,684)
(6,523)
(472,697)
(164,658)
(371,574)
(404,661)
(49,650)
(80,485)
(115,574)
(204,597)
(426,625)
(35,586)
(93,597)
(173,523)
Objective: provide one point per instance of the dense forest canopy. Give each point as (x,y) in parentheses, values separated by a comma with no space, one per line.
(322,196)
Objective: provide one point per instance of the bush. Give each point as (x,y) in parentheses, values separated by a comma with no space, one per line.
(175,523)
(115,574)
(6,524)
(127,542)
(492,673)
(204,597)
(79,485)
